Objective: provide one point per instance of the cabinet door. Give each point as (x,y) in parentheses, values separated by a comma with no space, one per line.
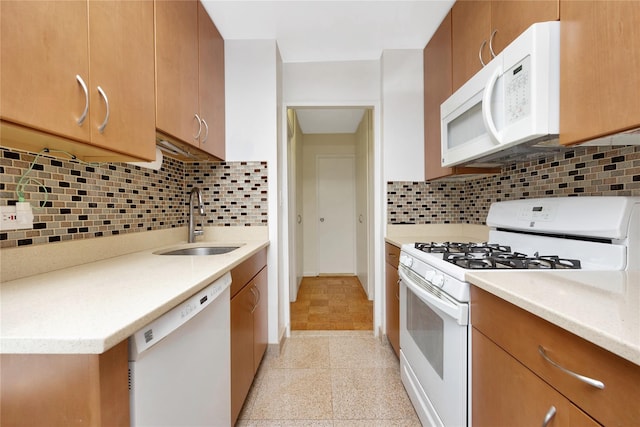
(177,69)
(242,368)
(393,306)
(260,329)
(510,18)
(471,25)
(599,62)
(44,45)
(121,63)
(437,88)
(211,85)
(503,391)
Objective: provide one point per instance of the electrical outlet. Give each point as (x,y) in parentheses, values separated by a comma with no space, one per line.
(12,219)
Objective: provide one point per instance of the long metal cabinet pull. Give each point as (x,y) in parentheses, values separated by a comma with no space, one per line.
(197,136)
(590,381)
(484,43)
(257,298)
(549,416)
(106,117)
(493,55)
(206,131)
(86,100)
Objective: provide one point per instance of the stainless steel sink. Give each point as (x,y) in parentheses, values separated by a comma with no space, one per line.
(199,250)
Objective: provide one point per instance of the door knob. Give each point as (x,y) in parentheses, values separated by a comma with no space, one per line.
(321,219)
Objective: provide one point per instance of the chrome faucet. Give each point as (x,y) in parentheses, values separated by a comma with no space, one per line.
(192,227)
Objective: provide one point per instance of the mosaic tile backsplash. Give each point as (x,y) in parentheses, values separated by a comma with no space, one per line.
(585,171)
(92,200)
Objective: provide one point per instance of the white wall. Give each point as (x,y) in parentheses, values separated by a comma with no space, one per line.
(252,134)
(332,83)
(402,115)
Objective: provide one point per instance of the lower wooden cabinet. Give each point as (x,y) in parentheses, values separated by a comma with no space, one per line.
(65,389)
(506,393)
(392,296)
(248,326)
(512,378)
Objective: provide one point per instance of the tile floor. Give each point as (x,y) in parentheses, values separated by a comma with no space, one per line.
(329,378)
(331,303)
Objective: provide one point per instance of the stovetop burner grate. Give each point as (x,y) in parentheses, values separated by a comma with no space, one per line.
(494,256)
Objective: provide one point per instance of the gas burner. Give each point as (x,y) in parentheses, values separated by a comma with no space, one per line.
(510,261)
(462,248)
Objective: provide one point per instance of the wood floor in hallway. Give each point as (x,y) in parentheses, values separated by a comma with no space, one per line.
(331,303)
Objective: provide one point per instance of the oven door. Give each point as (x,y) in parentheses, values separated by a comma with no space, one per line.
(434,342)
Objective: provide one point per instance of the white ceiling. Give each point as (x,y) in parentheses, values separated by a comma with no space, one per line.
(329,120)
(330,30)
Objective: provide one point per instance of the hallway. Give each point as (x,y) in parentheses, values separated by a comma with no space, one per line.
(329,379)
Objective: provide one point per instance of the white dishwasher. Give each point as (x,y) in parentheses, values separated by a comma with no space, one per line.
(179,364)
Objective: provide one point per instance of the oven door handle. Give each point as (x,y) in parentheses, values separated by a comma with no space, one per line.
(459,312)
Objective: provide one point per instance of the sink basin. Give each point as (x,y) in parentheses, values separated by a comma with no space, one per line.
(199,250)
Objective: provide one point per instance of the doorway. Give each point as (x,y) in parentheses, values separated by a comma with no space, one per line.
(330,187)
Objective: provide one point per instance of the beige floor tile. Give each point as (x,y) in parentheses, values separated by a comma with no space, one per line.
(312,352)
(361,352)
(329,379)
(370,394)
(293,394)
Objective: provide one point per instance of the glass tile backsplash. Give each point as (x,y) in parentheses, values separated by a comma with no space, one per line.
(595,171)
(84,200)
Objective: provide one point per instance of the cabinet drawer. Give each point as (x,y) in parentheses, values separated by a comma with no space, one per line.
(521,333)
(391,254)
(243,273)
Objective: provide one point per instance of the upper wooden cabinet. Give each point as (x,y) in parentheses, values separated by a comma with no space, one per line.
(599,61)
(211,80)
(437,88)
(189,76)
(479,27)
(52,51)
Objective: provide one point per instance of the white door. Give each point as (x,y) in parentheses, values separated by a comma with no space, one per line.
(336,214)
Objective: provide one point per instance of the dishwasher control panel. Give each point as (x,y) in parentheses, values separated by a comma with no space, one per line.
(170,321)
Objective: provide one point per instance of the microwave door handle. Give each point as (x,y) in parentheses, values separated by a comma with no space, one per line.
(487,97)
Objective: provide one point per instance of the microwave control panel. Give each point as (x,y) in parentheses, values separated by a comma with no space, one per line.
(517,91)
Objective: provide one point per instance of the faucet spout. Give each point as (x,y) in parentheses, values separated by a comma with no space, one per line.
(192,229)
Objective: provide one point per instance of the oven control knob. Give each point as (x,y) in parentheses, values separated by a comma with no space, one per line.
(438,280)
(407,261)
(429,275)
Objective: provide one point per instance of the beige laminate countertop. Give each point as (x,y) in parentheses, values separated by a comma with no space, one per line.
(599,306)
(88,308)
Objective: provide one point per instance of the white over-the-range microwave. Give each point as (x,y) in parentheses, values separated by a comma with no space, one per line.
(510,109)
(511,103)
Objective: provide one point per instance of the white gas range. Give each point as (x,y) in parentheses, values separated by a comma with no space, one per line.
(587,233)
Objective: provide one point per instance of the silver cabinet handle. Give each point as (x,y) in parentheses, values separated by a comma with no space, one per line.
(106,117)
(398,293)
(493,55)
(206,131)
(549,416)
(256,294)
(197,136)
(484,43)
(590,381)
(86,100)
